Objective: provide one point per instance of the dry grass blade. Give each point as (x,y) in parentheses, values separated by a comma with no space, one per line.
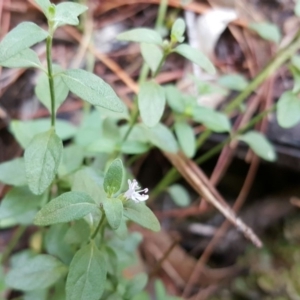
(198,180)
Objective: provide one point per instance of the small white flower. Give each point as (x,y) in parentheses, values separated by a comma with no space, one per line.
(133,192)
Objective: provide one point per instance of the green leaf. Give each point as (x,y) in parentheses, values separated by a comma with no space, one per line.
(24,131)
(134,147)
(92,89)
(114,296)
(151,101)
(39,272)
(141,35)
(196,57)
(295,60)
(78,233)
(13,172)
(161,137)
(55,244)
(65,208)
(36,295)
(179,194)
(114,177)
(122,231)
(136,285)
(44,5)
(87,274)
(67,13)
(174,99)
(259,144)
(136,134)
(72,159)
(42,158)
(103,145)
(141,214)
(160,290)
(42,89)
(186,138)
(267,31)
(214,120)
(288,110)
(297,8)
(177,31)
(88,181)
(21,37)
(235,82)
(20,205)
(152,55)
(113,208)
(58,291)
(89,130)
(26,58)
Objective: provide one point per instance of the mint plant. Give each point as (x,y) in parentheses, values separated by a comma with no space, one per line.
(71,182)
(80,210)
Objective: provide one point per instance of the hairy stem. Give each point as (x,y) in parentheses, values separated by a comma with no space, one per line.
(99,226)
(50,78)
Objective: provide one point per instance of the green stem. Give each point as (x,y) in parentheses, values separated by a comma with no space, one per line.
(220,146)
(281,57)
(50,78)
(168,179)
(161,14)
(100,224)
(13,242)
(160,64)
(145,69)
(203,137)
(133,120)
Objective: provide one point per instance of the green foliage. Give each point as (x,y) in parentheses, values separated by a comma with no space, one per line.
(113,208)
(259,144)
(26,58)
(25,131)
(92,89)
(67,13)
(77,191)
(177,32)
(288,109)
(267,31)
(12,44)
(234,82)
(186,138)
(67,207)
(13,172)
(36,273)
(297,8)
(42,89)
(214,120)
(136,285)
(141,35)
(19,205)
(179,195)
(141,214)
(152,55)
(196,57)
(42,158)
(114,177)
(152,102)
(87,273)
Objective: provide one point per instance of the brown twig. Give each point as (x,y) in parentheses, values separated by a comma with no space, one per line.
(198,180)
(224,227)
